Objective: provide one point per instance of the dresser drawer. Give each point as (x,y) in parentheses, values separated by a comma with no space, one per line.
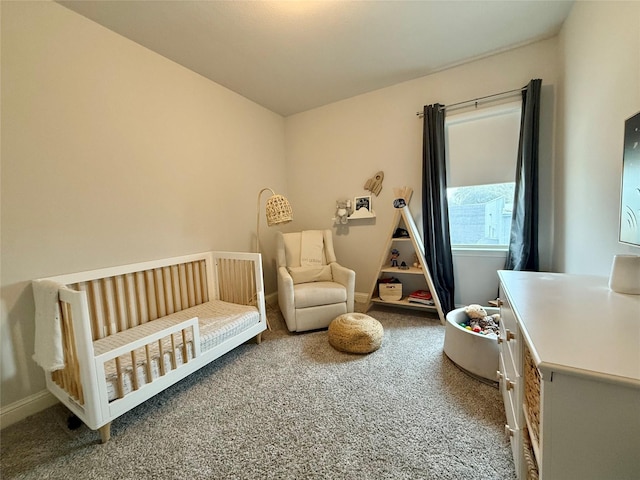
(512,427)
(509,351)
(508,389)
(509,339)
(507,318)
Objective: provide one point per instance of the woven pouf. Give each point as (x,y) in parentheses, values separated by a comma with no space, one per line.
(355,333)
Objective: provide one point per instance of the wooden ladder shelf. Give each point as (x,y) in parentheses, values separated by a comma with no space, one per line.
(413,278)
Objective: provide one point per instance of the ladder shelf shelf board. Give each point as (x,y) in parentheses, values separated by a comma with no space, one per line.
(413,277)
(405,303)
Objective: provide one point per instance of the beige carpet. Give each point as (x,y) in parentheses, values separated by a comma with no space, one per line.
(291,408)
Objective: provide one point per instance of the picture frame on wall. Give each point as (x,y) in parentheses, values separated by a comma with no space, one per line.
(362,202)
(362,207)
(630,187)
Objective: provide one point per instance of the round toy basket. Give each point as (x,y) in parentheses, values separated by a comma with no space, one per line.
(474,353)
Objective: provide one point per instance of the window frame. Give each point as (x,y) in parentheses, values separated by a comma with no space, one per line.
(470,116)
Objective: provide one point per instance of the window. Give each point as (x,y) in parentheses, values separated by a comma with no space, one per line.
(480,215)
(482,150)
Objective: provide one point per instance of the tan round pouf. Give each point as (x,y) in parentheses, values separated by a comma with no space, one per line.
(355,333)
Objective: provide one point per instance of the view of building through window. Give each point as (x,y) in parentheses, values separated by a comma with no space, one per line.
(480,215)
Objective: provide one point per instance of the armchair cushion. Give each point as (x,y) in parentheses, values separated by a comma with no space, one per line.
(310,274)
(318,293)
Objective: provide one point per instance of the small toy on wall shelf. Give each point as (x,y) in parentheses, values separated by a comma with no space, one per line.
(401,196)
(479,321)
(343,211)
(394,257)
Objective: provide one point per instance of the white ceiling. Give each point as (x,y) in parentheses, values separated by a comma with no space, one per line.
(291,56)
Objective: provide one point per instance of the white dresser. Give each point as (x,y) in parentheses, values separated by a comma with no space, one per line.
(570,376)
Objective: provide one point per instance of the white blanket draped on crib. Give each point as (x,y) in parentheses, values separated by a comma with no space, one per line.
(48,351)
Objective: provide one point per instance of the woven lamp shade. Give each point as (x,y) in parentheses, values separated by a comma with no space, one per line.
(278,210)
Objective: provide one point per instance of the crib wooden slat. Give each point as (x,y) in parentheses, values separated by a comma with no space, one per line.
(222,292)
(243,285)
(174,360)
(147,352)
(167,292)
(141,297)
(96,298)
(133,318)
(239,281)
(120,378)
(71,361)
(161,359)
(175,286)
(106,299)
(134,370)
(253,288)
(190,286)
(151,295)
(66,347)
(236,280)
(184,294)
(230,281)
(120,303)
(64,372)
(96,332)
(158,292)
(196,283)
(222,282)
(68,378)
(203,281)
(185,356)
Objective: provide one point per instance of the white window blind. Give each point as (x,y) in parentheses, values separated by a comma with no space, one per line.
(482,146)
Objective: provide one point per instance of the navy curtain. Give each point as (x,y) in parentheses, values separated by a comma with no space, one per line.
(435,210)
(523,242)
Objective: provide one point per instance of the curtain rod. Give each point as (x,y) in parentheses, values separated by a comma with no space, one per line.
(476,100)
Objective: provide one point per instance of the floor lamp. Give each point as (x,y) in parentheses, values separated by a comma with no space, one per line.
(278,210)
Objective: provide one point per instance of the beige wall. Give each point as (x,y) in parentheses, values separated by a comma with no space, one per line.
(333,150)
(112,154)
(600,49)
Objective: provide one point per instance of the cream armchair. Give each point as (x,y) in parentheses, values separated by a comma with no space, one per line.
(311,296)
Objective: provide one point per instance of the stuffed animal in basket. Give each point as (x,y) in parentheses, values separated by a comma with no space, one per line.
(480,322)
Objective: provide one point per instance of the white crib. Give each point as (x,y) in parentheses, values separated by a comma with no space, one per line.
(130,332)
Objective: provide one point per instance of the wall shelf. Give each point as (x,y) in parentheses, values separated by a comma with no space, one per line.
(362,213)
(355,216)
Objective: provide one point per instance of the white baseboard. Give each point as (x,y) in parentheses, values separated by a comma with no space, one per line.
(30,405)
(360,297)
(271,299)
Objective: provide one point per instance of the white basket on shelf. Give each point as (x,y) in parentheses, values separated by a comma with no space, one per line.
(390,291)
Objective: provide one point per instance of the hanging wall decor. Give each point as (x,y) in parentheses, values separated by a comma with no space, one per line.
(374,184)
(630,191)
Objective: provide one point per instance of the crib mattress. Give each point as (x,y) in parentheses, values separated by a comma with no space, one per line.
(218,321)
